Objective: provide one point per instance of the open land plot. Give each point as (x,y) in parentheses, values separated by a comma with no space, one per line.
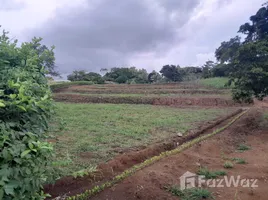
(94,133)
(249,168)
(129,90)
(227,95)
(178,101)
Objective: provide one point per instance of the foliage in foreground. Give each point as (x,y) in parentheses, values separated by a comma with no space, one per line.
(25,106)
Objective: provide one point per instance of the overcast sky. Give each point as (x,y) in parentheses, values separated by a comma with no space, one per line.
(95,34)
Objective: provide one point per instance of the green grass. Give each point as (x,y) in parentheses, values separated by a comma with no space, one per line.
(228,165)
(243,147)
(210,174)
(191,194)
(216,82)
(265,115)
(239,160)
(92,133)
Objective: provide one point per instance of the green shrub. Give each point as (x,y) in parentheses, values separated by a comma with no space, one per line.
(210,174)
(25,107)
(239,160)
(228,165)
(243,147)
(191,194)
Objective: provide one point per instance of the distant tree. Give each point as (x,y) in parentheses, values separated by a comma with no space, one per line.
(141,76)
(190,73)
(221,70)
(171,72)
(103,70)
(207,69)
(84,76)
(77,75)
(127,75)
(154,77)
(122,79)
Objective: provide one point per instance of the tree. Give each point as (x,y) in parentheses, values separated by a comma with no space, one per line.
(250,72)
(154,77)
(221,70)
(226,52)
(207,69)
(248,60)
(171,72)
(82,75)
(46,56)
(126,75)
(258,28)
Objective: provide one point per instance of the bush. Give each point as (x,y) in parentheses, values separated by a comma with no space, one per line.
(25,107)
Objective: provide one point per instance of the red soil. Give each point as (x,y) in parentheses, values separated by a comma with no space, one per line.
(71,186)
(175,101)
(150,183)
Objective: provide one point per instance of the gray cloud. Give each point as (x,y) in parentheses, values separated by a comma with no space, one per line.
(108,33)
(10,5)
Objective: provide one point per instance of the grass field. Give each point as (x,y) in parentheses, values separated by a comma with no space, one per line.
(87,134)
(217,82)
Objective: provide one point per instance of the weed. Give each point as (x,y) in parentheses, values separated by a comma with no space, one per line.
(239,160)
(210,174)
(228,165)
(191,194)
(243,147)
(85,172)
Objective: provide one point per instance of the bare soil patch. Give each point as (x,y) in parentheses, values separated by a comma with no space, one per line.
(71,186)
(177,101)
(150,183)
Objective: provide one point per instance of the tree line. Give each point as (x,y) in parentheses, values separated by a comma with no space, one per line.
(168,73)
(243,61)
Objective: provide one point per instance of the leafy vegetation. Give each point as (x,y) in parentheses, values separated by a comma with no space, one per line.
(210,174)
(85,172)
(84,76)
(99,131)
(247,60)
(25,107)
(191,194)
(239,160)
(243,147)
(228,165)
